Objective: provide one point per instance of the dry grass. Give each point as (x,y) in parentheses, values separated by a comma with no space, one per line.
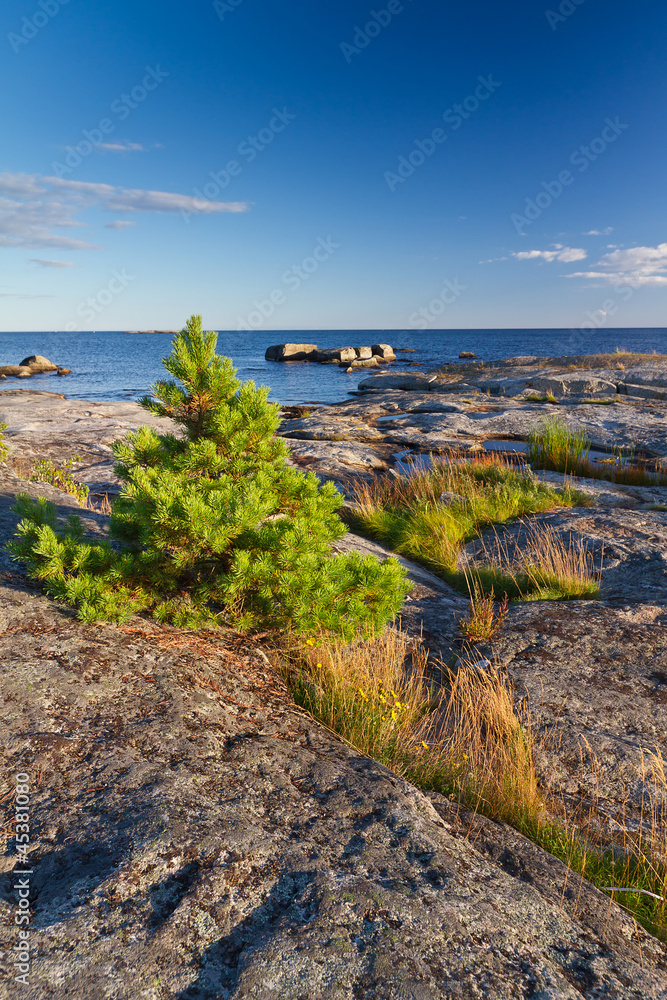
(483,620)
(542,565)
(467,742)
(98,502)
(373,693)
(464,741)
(479,752)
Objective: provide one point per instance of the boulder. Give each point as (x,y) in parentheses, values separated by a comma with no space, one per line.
(468,354)
(335,355)
(37,363)
(578,384)
(384,351)
(17,371)
(643,391)
(290,352)
(64,371)
(364,352)
(505,386)
(362,363)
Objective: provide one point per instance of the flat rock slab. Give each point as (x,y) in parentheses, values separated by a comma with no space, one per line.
(595,677)
(458,418)
(194,835)
(47,425)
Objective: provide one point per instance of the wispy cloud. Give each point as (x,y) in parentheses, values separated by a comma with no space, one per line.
(33,206)
(119,224)
(121,147)
(50,263)
(636,266)
(560,253)
(599,232)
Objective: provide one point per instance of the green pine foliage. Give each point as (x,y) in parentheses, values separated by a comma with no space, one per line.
(212,526)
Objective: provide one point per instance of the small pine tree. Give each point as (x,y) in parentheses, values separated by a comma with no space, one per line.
(212,525)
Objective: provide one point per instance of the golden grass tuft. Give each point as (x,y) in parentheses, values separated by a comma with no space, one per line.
(545,566)
(466,741)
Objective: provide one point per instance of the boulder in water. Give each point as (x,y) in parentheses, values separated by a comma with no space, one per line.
(384,351)
(361,363)
(290,352)
(339,355)
(37,363)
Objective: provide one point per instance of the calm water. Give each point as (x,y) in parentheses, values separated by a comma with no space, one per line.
(122,366)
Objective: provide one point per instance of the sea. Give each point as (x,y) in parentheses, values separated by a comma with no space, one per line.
(112,365)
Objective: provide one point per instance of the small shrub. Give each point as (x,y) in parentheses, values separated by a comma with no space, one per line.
(4,450)
(212,525)
(44,471)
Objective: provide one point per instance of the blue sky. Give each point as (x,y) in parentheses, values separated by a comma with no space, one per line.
(289,166)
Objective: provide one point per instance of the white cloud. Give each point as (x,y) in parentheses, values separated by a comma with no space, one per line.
(120,147)
(564,254)
(119,224)
(33,206)
(50,263)
(599,232)
(636,266)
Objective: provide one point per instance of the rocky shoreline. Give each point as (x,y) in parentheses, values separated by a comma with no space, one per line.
(198,836)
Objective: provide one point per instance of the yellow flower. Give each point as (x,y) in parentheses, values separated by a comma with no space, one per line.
(393,694)
(318,664)
(394,714)
(425,745)
(363,694)
(310,642)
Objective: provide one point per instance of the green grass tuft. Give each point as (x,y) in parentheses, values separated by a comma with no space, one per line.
(408,515)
